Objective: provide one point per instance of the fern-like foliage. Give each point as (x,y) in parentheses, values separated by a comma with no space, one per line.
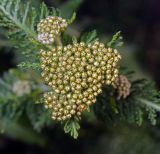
(142,103)
(14,107)
(13,12)
(22,15)
(72,127)
(89,37)
(20,19)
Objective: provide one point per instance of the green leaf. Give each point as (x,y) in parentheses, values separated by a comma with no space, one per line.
(150,104)
(38,115)
(152,116)
(73,17)
(74,39)
(23,15)
(19,15)
(89,37)
(29,65)
(43,11)
(116,40)
(72,126)
(113,104)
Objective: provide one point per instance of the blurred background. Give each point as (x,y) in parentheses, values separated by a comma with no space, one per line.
(139,22)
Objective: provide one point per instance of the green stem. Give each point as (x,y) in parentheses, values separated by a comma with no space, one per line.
(58,41)
(150,104)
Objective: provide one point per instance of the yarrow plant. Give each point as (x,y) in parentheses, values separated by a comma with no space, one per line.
(75,74)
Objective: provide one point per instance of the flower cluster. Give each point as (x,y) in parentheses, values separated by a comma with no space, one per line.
(49,28)
(61,106)
(76,73)
(21,87)
(122,85)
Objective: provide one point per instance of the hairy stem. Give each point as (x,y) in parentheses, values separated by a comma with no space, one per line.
(58,41)
(150,104)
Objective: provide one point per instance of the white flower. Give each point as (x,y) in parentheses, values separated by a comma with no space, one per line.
(21,87)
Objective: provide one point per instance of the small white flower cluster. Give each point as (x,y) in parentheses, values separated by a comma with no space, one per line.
(49,28)
(45,38)
(21,87)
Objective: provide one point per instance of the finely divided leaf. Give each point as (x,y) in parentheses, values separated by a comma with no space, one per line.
(89,37)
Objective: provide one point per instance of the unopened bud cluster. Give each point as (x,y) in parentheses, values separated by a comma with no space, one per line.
(76,74)
(63,106)
(122,85)
(49,28)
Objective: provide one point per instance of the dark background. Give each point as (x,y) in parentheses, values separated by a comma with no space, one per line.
(139,21)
